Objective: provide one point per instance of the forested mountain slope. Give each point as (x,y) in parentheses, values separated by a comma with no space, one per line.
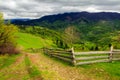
(91,30)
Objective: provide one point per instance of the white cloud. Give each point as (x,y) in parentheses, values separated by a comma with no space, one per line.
(38,8)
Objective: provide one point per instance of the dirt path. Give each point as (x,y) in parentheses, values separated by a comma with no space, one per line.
(55,71)
(16,71)
(49,69)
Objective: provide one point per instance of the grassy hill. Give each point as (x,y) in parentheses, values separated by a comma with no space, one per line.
(97,29)
(26,41)
(42,67)
(38,66)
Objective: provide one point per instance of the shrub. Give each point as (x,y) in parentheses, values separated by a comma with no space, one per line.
(7,37)
(8,48)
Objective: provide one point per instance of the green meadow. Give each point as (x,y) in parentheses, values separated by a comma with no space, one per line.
(26,41)
(38,66)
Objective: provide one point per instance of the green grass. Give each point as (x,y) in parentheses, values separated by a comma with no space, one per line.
(112,68)
(16,71)
(31,41)
(32,70)
(6,60)
(108,71)
(98,71)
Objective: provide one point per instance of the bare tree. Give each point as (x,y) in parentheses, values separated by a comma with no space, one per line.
(71,35)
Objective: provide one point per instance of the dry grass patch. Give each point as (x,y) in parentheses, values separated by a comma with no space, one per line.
(16,71)
(52,70)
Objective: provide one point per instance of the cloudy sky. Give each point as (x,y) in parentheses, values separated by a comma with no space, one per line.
(39,8)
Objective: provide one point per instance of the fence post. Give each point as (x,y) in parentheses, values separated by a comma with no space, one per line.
(111,54)
(73,57)
(45,51)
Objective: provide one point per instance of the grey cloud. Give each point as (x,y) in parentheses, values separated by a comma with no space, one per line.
(38,8)
(110,8)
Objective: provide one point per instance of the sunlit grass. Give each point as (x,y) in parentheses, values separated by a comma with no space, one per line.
(7,60)
(31,41)
(32,70)
(15,71)
(39,66)
(105,71)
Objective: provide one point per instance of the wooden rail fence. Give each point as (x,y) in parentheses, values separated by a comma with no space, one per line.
(80,58)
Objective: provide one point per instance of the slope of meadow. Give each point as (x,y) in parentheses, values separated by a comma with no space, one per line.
(38,66)
(26,41)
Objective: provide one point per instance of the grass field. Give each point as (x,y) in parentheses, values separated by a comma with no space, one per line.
(26,40)
(106,71)
(38,66)
(42,67)
(7,60)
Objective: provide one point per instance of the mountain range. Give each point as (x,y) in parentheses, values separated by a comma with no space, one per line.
(89,29)
(69,18)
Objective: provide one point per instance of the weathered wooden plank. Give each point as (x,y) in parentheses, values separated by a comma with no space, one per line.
(91,62)
(93,57)
(116,53)
(60,52)
(116,59)
(94,52)
(65,56)
(116,56)
(116,50)
(62,58)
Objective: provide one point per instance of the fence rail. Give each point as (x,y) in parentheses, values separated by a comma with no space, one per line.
(61,54)
(80,58)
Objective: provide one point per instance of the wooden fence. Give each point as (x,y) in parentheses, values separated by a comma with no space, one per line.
(59,53)
(34,50)
(96,56)
(80,58)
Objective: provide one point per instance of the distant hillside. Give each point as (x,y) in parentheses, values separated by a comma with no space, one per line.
(73,16)
(70,18)
(17,20)
(91,30)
